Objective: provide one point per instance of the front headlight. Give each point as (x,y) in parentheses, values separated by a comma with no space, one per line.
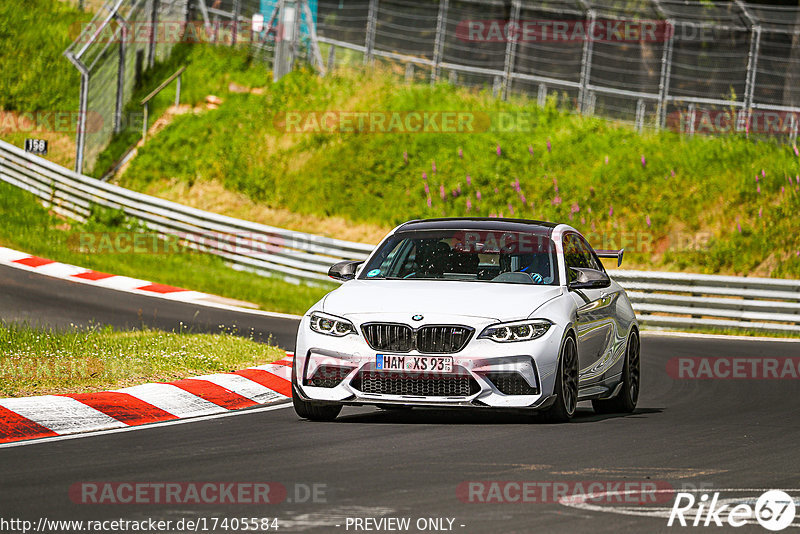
(516,331)
(330,325)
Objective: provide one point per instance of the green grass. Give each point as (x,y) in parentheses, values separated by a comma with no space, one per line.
(38,362)
(688,190)
(33,36)
(29,227)
(209,71)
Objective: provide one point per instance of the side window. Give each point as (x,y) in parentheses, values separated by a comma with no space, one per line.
(592,260)
(574,255)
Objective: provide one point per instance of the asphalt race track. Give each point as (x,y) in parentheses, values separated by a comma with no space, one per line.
(37,299)
(735,436)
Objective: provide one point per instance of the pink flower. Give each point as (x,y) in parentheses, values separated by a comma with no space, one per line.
(429,202)
(433,167)
(427,189)
(782,189)
(647,220)
(549,146)
(458,188)
(796,152)
(511,208)
(469,180)
(522,198)
(758,189)
(478,195)
(575,208)
(583,220)
(530,150)
(424,175)
(739,227)
(672,173)
(454,192)
(556,200)
(797,179)
(756,178)
(441,192)
(759,212)
(644,161)
(611,211)
(499,151)
(460,153)
(405,157)
(763,173)
(606,160)
(496,190)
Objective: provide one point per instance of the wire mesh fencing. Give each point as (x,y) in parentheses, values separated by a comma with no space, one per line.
(695,67)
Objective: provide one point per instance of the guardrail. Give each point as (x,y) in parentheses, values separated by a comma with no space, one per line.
(677,300)
(246,245)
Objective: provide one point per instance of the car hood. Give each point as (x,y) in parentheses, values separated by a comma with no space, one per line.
(502,302)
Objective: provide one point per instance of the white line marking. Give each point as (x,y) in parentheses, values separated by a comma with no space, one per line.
(7,257)
(579,502)
(670,333)
(242,386)
(283,371)
(62,415)
(173,399)
(148,426)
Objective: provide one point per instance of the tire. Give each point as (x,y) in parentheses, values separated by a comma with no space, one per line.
(625,401)
(566,388)
(314,411)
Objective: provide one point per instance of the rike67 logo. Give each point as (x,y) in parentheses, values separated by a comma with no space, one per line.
(774,510)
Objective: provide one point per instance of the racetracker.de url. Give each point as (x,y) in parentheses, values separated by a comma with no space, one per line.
(194,524)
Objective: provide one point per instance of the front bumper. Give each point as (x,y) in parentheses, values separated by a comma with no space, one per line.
(349,360)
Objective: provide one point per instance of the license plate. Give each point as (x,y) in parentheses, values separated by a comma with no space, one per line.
(392,362)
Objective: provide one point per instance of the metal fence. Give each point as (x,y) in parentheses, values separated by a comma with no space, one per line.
(694,67)
(706,67)
(111,53)
(673,300)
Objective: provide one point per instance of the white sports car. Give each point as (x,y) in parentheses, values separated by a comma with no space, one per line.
(471,312)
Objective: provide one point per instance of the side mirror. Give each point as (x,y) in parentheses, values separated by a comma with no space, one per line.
(344,270)
(589,278)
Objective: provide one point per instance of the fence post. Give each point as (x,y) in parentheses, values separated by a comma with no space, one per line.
(438,43)
(752,67)
(151,53)
(541,97)
(120,73)
(331,59)
(80,140)
(511,48)
(237,9)
(640,111)
(586,63)
(369,44)
(409,72)
(663,81)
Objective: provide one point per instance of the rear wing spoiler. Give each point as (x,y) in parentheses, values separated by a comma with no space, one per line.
(612,254)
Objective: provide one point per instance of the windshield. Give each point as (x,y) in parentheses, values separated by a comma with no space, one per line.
(479,255)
